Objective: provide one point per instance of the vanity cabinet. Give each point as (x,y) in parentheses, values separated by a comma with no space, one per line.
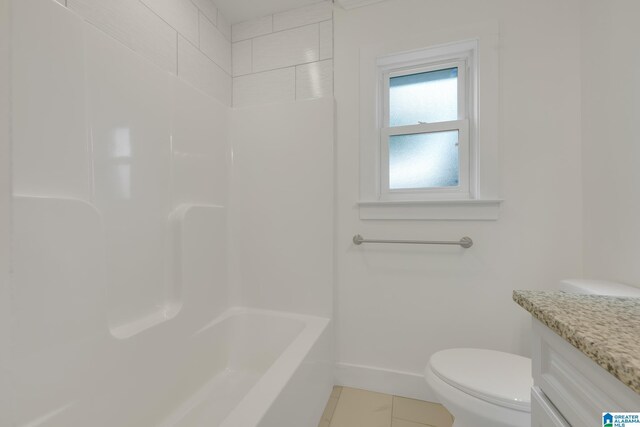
(569,388)
(543,413)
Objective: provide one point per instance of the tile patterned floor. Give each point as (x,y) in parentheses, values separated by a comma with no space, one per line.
(350,407)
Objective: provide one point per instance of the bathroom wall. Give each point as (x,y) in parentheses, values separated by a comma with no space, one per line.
(120,180)
(5,213)
(282,206)
(611,145)
(396,305)
(282,136)
(190,38)
(284,57)
(120,196)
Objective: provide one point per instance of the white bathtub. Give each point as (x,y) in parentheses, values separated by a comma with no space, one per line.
(272,369)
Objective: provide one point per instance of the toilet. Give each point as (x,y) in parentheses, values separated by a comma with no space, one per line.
(487,388)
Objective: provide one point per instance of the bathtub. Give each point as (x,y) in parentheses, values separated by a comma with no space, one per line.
(273,369)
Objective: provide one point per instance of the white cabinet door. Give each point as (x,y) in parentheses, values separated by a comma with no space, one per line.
(580,389)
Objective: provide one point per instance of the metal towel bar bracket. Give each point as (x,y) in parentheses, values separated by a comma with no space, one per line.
(465,242)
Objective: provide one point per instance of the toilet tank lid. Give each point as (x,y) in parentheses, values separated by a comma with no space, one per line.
(598,287)
(496,377)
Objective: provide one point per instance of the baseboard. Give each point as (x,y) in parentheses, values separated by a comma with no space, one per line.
(398,383)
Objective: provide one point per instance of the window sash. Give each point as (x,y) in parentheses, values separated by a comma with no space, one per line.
(459,192)
(460,64)
(462,191)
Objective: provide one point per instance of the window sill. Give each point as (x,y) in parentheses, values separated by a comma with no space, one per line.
(454,210)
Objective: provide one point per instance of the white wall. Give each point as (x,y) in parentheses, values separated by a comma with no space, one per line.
(284,57)
(397,305)
(282,206)
(190,38)
(611,143)
(120,180)
(5,214)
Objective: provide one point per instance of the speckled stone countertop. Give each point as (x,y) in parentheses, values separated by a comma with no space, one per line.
(606,329)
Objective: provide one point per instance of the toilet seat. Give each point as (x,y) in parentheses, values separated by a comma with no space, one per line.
(499,378)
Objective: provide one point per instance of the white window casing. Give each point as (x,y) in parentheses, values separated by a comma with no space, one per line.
(474,52)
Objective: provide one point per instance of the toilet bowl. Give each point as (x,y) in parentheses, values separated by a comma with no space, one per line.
(482,388)
(486,388)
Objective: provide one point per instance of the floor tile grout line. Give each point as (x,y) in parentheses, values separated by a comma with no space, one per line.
(392,418)
(411,421)
(393,400)
(334,410)
(336,407)
(415,422)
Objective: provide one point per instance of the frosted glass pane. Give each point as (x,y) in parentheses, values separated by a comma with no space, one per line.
(424,97)
(424,160)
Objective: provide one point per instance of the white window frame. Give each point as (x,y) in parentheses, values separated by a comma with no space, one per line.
(422,65)
(478,47)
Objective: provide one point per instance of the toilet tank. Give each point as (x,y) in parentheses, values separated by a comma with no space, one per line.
(598,287)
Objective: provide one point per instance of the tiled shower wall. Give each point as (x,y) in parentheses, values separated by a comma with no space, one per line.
(284,57)
(189,38)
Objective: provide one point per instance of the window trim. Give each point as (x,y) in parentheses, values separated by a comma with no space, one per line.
(456,55)
(483,202)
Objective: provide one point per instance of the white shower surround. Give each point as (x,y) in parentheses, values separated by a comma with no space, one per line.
(86,350)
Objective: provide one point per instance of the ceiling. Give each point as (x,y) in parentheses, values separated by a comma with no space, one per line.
(245,10)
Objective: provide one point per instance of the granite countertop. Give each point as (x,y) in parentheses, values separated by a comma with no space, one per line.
(605,328)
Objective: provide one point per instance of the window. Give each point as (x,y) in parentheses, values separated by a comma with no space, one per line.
(424,154)
(424,133)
